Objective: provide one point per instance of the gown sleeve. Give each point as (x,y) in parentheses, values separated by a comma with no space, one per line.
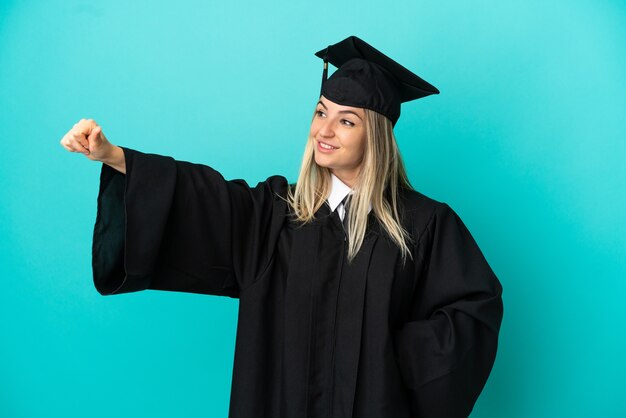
(447,347)
(179,226)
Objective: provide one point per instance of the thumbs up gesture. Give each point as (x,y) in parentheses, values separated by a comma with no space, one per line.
(86,137)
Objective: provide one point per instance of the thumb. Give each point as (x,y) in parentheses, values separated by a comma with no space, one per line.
(94,137)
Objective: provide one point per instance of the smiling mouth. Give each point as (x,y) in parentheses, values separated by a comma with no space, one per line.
(325,145)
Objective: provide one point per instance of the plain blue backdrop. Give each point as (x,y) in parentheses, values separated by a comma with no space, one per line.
(526,142)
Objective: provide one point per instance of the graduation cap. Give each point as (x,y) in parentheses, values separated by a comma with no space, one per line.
(367,78)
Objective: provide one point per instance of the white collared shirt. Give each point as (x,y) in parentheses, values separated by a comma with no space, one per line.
(338,191)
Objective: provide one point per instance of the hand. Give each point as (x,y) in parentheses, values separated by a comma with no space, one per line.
(86,137)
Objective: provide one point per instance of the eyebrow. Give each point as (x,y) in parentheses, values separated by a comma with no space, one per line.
(341,111)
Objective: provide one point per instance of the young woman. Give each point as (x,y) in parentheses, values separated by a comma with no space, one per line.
(358,296)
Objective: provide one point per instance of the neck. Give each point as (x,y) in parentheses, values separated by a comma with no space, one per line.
(348,178)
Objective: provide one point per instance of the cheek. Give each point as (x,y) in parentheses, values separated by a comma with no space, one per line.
(314,127)
(359,153)
(356,143)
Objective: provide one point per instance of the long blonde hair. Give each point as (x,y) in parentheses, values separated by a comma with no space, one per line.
(382,174)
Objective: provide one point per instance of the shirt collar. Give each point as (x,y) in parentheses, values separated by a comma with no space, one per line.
(338,191)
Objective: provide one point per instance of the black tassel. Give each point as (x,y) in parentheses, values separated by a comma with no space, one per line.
(325,72)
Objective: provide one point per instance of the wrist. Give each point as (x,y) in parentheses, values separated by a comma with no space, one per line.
(114,155)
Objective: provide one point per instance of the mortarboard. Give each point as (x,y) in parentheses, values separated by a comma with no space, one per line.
(365,77)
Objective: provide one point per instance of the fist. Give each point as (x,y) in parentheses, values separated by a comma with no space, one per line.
(86,137)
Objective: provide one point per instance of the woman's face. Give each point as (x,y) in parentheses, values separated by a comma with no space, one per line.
(338,133)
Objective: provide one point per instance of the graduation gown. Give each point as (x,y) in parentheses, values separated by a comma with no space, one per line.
(316,336)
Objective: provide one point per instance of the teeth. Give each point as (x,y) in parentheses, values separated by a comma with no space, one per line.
(326,146)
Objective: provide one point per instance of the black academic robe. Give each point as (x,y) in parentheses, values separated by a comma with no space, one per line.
(316,336)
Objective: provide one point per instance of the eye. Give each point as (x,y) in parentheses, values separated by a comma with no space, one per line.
(348,122)
(319,113)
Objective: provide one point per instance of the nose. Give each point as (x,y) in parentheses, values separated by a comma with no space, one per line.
(326,129)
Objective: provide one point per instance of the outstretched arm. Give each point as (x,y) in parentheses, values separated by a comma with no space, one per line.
(180,226)
(174,225)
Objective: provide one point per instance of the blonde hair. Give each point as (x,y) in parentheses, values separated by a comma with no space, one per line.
(382,174)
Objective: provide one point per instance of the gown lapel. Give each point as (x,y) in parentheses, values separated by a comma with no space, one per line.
(349,316)
(349,323)
(335,294)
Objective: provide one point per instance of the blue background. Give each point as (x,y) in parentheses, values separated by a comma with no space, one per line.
(525,142)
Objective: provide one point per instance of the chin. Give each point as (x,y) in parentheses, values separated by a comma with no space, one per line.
(320,163)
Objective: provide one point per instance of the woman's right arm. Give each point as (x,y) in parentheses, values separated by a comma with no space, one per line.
(86,137)
(173,225)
